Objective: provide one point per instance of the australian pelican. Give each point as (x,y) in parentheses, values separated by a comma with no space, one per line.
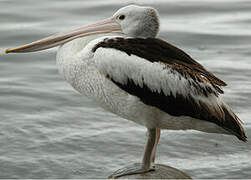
(121,65)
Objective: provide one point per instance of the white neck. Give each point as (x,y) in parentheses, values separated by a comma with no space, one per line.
(67,56)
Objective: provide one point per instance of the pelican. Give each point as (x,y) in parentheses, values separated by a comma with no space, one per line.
(121,65)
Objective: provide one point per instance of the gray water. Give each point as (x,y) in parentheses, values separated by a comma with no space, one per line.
(48,130)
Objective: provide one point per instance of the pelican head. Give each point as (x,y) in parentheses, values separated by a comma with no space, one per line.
(138,21)
(132,20)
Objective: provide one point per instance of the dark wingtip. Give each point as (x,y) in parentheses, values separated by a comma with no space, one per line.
(233,124)
(243,138)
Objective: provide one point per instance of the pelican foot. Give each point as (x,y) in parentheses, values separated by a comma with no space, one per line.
(135,168)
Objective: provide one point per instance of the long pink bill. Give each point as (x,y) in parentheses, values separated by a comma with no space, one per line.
(108,25)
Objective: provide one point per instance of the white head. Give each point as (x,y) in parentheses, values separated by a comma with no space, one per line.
(138,21)
(132,20)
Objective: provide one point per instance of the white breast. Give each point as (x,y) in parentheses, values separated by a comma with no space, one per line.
(80,71)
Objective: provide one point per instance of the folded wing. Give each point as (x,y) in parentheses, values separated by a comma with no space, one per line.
(165,77)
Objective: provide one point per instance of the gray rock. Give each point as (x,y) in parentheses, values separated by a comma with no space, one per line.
(161,172)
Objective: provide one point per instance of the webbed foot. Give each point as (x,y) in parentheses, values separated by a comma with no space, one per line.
(135,168)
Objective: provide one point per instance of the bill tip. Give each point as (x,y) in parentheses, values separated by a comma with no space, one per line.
(3,52)
(6,51)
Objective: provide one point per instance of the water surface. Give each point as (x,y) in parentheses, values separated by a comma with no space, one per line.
(48,130)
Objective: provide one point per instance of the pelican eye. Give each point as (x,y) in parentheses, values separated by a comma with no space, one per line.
(121,17)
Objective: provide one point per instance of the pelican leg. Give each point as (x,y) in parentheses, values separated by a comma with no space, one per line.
(155,145)
(145,166)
